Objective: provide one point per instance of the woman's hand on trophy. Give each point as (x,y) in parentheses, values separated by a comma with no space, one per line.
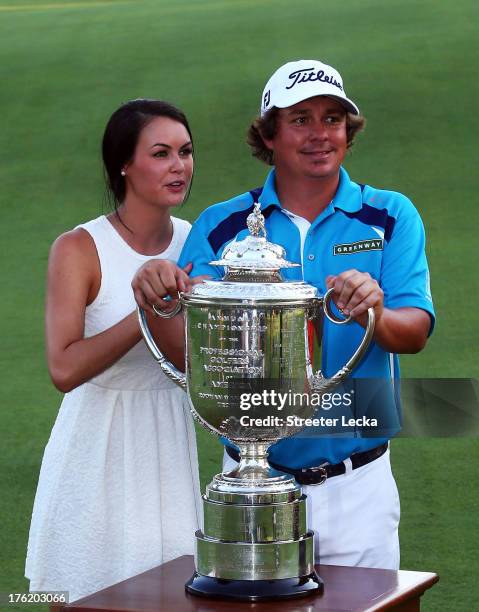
(355,292)
(159,278)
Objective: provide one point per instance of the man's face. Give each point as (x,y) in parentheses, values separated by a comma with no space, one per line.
(310,141)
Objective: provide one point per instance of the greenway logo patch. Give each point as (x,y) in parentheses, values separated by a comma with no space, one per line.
(375,244)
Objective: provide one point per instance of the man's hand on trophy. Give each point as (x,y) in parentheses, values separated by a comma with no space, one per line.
(399,330)
(159,278)
(355,292)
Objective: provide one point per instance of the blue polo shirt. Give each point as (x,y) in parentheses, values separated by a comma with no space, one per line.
(368,229)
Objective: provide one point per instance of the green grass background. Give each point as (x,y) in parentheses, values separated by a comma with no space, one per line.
(411,66)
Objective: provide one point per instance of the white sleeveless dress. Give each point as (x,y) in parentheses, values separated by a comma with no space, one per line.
(118,491)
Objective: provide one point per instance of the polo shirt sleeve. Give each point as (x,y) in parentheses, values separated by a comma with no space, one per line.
(197,250)
(404,270)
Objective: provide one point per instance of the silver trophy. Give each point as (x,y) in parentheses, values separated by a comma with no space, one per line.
(253,328)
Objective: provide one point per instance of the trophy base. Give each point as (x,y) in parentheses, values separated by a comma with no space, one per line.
(254,590)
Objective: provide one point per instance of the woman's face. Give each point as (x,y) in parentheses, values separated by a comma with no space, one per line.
(162,165)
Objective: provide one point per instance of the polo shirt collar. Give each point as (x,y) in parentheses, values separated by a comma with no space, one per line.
(268,195)
(348,197)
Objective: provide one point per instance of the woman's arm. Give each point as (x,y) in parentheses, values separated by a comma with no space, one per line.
(152,282)
(74,278)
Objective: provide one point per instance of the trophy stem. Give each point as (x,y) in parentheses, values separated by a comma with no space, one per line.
(253,463)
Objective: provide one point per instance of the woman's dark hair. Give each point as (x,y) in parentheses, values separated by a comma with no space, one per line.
(266,127)
(121,136)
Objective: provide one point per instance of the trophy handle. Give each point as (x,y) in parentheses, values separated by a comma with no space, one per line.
(320,384)
(168,368)
(171,313)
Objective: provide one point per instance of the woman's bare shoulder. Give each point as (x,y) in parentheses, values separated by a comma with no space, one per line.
(76,243)
(74,258)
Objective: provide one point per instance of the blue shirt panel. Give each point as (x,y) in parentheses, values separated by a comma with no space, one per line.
(357,214)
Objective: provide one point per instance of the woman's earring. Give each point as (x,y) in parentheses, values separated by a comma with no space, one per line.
(123,173)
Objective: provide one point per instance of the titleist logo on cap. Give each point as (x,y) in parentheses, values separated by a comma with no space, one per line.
(303,79)
(307,74)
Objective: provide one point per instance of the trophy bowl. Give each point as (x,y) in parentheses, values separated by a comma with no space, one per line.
(248,335)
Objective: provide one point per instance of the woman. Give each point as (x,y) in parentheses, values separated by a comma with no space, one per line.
(118,491)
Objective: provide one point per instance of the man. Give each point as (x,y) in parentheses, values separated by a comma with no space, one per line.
(366,243)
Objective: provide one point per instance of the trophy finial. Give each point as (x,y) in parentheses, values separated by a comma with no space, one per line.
(253,257)
(255,221)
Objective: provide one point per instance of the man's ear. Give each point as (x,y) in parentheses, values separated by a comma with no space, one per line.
(268,142)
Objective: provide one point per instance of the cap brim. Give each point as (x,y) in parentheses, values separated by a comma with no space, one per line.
(346,102)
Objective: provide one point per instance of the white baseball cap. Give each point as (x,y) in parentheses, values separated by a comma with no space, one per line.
(303,79)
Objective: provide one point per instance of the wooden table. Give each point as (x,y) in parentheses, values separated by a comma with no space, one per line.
(346,589)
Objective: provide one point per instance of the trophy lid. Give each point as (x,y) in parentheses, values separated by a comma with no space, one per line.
(254,254)
(253,273)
